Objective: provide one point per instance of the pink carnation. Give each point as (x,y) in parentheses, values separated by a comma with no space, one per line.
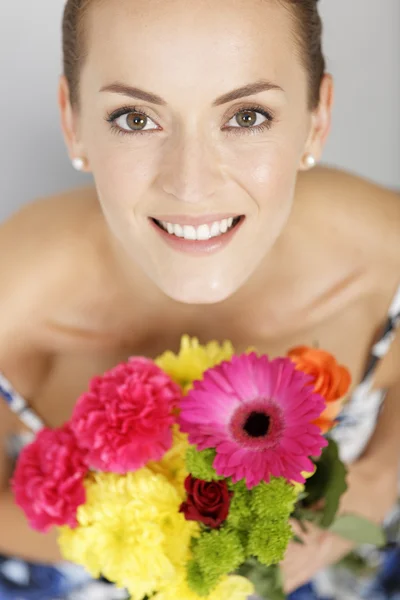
(125,418)
(48,480)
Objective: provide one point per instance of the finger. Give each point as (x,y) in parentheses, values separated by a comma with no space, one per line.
(301,530)
(308,532)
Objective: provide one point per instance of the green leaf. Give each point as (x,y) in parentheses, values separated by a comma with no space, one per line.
(337,484)
(358,529)
(328,483)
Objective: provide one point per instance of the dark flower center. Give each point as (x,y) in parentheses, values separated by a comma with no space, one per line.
(257,424)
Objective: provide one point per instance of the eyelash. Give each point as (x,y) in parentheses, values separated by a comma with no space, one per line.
(124,110)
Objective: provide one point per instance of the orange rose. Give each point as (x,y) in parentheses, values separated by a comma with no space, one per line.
(330,380)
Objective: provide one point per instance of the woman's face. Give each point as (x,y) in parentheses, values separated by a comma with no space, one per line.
(193,149)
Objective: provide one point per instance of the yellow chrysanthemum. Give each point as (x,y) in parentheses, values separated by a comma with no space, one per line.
(193,359)
(172,465)
(130,530)
(233,587)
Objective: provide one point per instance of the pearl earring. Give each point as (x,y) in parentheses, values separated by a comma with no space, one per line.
(310,161)
(78,163)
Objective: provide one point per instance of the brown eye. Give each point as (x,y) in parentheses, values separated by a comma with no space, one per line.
(246,118)
(254,119)
(134,121)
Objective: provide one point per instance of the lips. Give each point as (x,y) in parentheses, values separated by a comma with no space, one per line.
(204,239)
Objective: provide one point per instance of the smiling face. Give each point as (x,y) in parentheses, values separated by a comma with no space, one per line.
(193,118)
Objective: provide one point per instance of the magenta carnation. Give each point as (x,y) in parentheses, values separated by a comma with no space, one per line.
(48,480)
(258,415)
(125,418)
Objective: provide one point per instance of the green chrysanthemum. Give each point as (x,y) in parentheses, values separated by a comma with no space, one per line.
(215,554)
(268,541)
(274,500)
(241,514)
(197,581)
(199,464)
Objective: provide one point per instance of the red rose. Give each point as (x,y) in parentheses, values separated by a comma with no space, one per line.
(207,501)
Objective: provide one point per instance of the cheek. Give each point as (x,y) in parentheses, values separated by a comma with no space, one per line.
(267,172)
(123,172)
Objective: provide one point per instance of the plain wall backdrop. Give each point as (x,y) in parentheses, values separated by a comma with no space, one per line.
(362,47)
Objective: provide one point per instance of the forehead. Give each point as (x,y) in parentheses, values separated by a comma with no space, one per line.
(179,44)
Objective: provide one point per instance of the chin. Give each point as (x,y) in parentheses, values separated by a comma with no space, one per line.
(193,293)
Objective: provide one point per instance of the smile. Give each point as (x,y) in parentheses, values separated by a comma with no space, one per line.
(197,235)
(202,232)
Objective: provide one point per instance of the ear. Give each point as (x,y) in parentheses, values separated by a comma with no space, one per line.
(321,121)
(70,123)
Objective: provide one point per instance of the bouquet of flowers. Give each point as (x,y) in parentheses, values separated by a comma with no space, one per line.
(177,477)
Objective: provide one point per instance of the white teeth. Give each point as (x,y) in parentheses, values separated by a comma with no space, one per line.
(178,230)
(203,232)
(224,226)
(189,232)
(215,230)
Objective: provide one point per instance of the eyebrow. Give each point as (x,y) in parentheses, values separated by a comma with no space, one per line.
(250,89)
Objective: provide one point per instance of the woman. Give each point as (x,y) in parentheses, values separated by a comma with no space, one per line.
(201,123)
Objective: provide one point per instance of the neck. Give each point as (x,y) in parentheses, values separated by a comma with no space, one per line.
(264,296)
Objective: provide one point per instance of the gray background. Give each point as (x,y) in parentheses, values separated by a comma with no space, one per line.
(362,46)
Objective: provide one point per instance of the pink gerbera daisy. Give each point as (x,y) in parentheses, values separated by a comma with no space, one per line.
(258,415)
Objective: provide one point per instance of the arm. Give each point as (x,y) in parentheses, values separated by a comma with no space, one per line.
(372,492)
(16,537)
(25,275)
(19,540)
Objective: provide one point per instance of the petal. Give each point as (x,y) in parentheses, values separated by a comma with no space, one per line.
(292,445)
(237,458)
(227,447)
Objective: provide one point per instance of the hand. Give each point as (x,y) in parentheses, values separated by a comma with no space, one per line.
(372,492)
(302,561)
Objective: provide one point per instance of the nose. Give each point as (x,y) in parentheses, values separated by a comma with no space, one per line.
(191,170)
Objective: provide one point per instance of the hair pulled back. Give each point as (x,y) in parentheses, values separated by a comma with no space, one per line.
(308,39)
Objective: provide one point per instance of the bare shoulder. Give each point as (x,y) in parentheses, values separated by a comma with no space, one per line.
(357,222)
(350,186)
(51,218)
(361,214)
(39,244)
